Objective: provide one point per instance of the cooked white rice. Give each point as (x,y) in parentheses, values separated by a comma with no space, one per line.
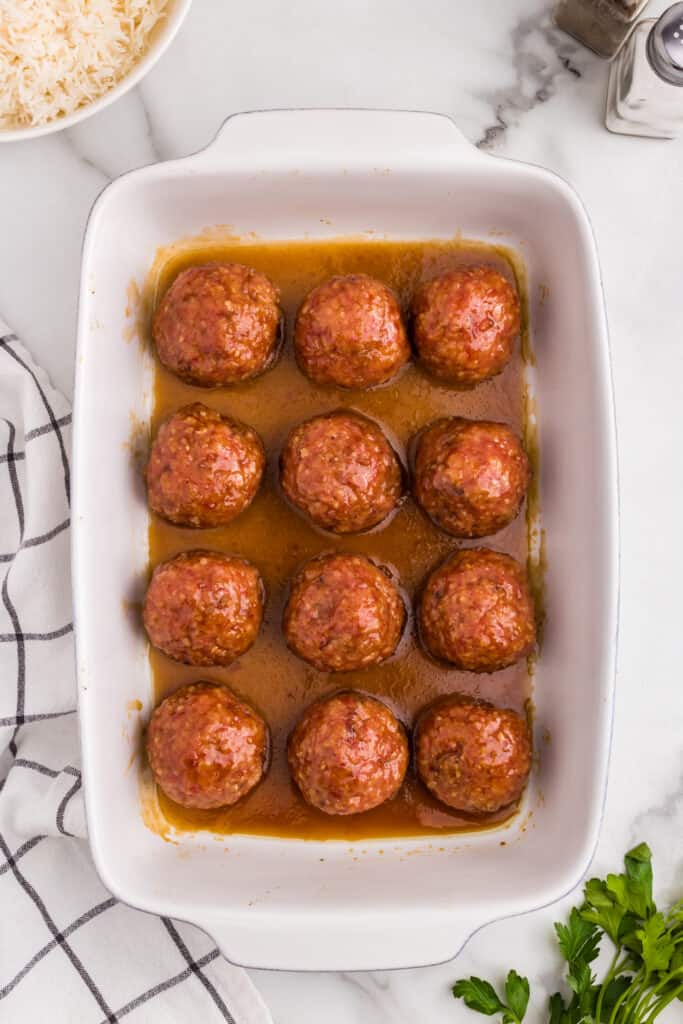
(59,55)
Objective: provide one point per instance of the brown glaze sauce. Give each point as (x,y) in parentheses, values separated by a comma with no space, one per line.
(277,539)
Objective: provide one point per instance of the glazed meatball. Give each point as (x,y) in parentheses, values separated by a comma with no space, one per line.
(206,748)
(476,611)
(472,756)
(217,324)
(348,754)
(203,607)
(343,613)
(349,333)
(470,475)
(340,470)
(204,468)
(465,323)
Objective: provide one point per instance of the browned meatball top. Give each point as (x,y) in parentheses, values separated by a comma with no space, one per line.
(472,756)
(470,475)
(465,323)
(348,754)
(204,468)
(206,748)
(341,471)
(217,324)
(349,333)
(204,607)
(343,613)
(476,611)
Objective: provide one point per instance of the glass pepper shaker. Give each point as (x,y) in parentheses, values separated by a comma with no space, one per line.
(602,25)
(645,92)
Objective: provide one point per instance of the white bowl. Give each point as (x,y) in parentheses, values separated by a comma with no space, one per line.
(162,36)
(284,903)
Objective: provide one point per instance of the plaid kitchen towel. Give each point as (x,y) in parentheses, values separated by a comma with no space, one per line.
(69,952)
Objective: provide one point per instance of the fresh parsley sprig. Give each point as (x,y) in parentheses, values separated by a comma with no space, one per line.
(645,973)
(480,995)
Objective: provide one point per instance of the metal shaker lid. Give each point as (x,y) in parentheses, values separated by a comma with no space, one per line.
(665,46)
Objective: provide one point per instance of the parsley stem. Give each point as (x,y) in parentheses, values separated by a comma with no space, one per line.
(635,984)
(611,973)
(652,997)
(663,1002)
(642,1004)
(637,993)
(640,1012)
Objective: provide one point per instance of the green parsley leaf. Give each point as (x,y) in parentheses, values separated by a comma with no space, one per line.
(558,1012)
(517,994)
(597,894)
(601,909)
(638,863)
(617,886)
(579,978)
(578,939)
(676,963)
(630,941)
(609,919)
(657,946)
(478,995)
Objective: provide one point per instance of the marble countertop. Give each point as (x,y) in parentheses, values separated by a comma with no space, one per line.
(516,86)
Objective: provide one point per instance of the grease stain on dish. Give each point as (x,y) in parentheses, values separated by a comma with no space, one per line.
(152,815)
(134,734)
(138,442)
(136,314)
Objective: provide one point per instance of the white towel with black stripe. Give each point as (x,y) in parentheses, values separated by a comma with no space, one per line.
(69,952)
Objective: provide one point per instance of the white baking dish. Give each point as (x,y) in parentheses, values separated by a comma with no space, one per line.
(311,905)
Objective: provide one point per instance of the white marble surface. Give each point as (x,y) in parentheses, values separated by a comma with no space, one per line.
(517,86)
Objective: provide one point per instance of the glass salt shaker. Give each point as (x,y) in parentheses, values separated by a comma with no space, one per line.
(645,92)
(602,25)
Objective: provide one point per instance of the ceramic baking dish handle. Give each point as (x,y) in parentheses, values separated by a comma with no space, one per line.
(311,139)
(346,942)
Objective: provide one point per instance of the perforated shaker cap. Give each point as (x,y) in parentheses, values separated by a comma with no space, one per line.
(665,46)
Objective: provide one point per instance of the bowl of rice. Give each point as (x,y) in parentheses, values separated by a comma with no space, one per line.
(63,60)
